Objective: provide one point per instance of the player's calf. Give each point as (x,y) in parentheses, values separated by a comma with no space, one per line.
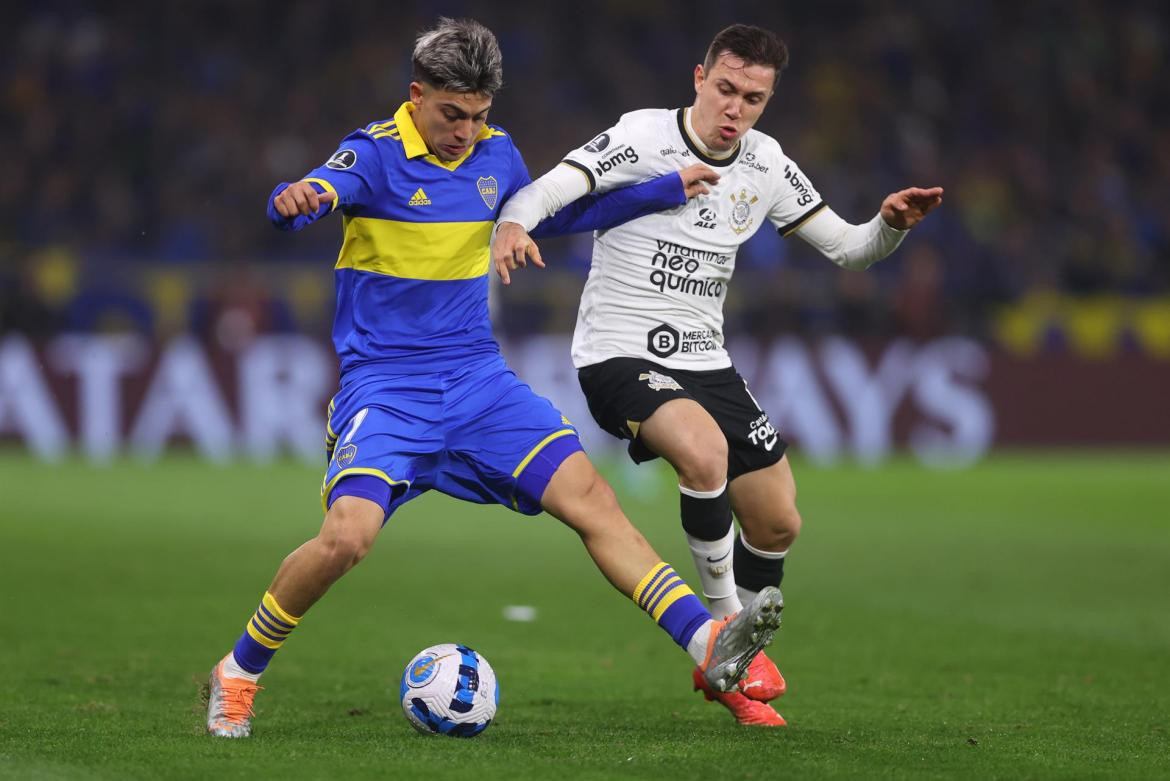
(756,568)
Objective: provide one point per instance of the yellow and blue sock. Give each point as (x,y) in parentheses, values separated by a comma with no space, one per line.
(671,603)
(266,631)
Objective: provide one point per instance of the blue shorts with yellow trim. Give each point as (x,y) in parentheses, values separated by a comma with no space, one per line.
(476,433)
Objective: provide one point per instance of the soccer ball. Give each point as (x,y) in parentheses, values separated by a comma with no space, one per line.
(449,689)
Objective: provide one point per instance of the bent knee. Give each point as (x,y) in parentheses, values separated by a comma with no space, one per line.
(597,495)
(348,533)
(777,532)
(702,463)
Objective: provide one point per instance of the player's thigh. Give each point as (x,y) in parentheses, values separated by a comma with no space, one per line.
(382,453)
(764,501)
(685,434)
(578,495)
(505,441)
(653,407)
(752,441)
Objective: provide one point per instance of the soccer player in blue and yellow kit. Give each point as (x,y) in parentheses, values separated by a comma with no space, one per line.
(426,400)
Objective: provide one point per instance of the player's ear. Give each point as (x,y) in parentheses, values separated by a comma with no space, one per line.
(416,93)
(698,77)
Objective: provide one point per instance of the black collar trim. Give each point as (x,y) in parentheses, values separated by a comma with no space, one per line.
(717,161)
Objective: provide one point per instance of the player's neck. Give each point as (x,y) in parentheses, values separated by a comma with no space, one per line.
(698,141)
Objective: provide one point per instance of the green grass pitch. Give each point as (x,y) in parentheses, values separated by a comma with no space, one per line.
(1011,620)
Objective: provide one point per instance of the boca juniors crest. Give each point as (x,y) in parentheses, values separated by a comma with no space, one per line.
(489,190)
(346,455)
(741,211)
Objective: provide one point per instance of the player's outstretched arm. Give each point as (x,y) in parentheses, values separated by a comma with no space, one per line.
(906,208)
(300,198)
(293,206)
(353,176)
(857,247)
(602,211)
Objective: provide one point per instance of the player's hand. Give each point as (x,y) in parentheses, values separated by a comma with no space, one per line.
(512,248)
(695,179)
(299,198)
(905,209)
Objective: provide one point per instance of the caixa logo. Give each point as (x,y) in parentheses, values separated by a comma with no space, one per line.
(662,341)
(627,155)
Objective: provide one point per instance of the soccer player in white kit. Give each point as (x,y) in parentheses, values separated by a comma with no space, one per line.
(648,344)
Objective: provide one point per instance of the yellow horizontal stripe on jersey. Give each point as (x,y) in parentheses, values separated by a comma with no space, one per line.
(416,250)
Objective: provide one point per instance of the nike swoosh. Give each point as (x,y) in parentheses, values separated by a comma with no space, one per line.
(425,667)
(721,558)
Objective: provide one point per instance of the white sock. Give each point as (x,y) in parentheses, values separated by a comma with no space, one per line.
(233,670)
(697,647)
(713,560)
(745,596)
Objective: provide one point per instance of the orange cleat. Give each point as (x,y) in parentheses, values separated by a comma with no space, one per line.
(229,704)
(750,713)
(763,681)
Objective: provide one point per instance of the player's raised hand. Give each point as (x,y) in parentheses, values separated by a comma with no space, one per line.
(300,198)
(906,208)
(695,179)
(512,248)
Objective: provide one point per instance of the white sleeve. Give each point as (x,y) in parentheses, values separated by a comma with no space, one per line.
(544,197)
(850,246)
(619,157)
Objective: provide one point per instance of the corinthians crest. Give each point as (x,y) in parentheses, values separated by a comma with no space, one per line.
(489,190)
(658,381)
(741,211)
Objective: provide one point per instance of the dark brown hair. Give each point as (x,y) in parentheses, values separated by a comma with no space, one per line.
(753,45)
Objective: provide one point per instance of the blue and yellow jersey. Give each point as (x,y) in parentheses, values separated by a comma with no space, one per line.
(412,273)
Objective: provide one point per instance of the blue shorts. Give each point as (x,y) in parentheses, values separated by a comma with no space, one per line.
(477,433)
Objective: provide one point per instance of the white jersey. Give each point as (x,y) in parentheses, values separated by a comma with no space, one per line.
(657,284)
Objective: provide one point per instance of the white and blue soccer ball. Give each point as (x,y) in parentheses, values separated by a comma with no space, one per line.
(449,689)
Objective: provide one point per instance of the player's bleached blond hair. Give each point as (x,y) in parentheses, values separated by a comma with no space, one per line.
(460,55)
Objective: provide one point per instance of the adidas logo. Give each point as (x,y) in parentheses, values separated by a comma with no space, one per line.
(419,199)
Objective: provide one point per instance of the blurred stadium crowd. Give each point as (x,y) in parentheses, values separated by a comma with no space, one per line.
(143,141)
